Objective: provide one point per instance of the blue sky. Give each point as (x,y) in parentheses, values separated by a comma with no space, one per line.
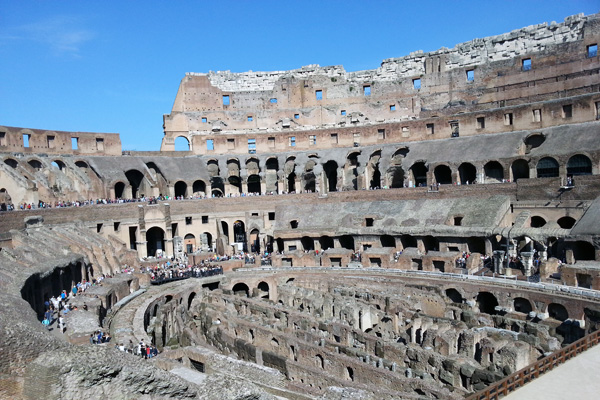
(115,66)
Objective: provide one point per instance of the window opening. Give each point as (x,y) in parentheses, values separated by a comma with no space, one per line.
(508,119)
(312,140)
(319,94)
(417,83)
(26,140)
(273,100)
(252,146)
(470,75)
(292,141)
(430,129)
(567,111)
(367,90)
(204,120)
(526,64)
(188,220)
(249,118)
(210,144)
(592,50)
(537,115)
(334,138)
(296,116)
(226,100)
(480,122)
(74,143)
(392,107)
(343,112)
(381,133)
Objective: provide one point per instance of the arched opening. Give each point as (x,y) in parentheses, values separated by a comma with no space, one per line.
(182,144)
(467,173)
(308,243)
(239,232)
(291,183)
(487,303)
(443,174)
(271,181)
(330,171)
(11,163)
(290,174)
(135,179)
(395,171)
(351,171)
(217,186)
(583,251)
(212,166)
(326,242)
(254,241)
(387,241)
(522,305)
(347,242)
(180,189)
(263,288)
(155,242)
(309,176)
(520,170)
(236,183)
(375,178)
(119,190)
(58,164)
(537,221)
(493,172)
(408,241)
(189,242)
(320,361)
(209,243)
(35,164)
(254,184)
(533,141)
(476,245)
(579,165)
(82,164)
(191,299)
(431,243)
(199,188)
(419,173)
(241,289)
(558,312)
(349,374)
(225,229)
(547,167)
(566,222)
(280,245)
(454,295)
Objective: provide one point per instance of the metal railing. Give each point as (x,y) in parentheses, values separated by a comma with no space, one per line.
(529,373)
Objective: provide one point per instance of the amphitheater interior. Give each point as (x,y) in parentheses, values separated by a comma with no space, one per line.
(419,230)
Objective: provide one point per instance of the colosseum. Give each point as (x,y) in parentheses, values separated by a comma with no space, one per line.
(426,229)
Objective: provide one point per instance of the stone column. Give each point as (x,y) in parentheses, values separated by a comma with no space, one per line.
(142,249)
(498,259)
(527,260)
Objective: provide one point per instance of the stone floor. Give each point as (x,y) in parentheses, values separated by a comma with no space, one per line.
(578,378)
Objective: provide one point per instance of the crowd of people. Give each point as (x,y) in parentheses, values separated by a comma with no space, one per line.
(170,271)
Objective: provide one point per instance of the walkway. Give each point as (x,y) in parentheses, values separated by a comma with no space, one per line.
(578,378)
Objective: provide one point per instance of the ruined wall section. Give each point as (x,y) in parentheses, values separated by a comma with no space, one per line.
(477,76)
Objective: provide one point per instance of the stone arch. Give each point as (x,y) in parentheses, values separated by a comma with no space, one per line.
(558,312)
(119,190)
(254,184)
(522,305)
(308,244)
(467,173)
(255,241)
(271,178)
(537,221)
(181,189)
(217,186)
(189,242)
(199,187)
(320,361)
(263,288)
(11,162)
(431,243)
(136,180)
(454,295)
(330,171)
(493,171)
(309,176)
(351,170)
(579,164)
(476,244)
(566,222)
(387,241)
(35,164)
(373,170)
(236,182)
(547,167)
(487,303)
(182,143)
(208,239)
(519,169)
(155,240)
(443,174)
(418,172)
(326,242)
(239,232)
(212,166)
(241,289)
(253,166)
(347,242)
(58,164)
(349,374)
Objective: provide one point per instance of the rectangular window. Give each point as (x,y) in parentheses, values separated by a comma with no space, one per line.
(210,144)
(526,64)
(249,118)
(334,138)
(50,142)
(205,219)
(406,131)
(319,94)
(226,100)
(26,140)
(230,144)
(271,141)
(292,141)
(204,120)
(367,90)
(252,146)
(417,83)
(356,137)
(597,117)
(312,140)
(74,143)
(343,112)
(296,116)
(508,119)
(392,107)
(273,100)
(381,134)
(567,111)
(592,50)
(116,226)
(470,75)
(480,122)
(272,216)
(188,220)
(454,132)
(2,138)
(98,228)
(537,115)
(430,129)
(99,144)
